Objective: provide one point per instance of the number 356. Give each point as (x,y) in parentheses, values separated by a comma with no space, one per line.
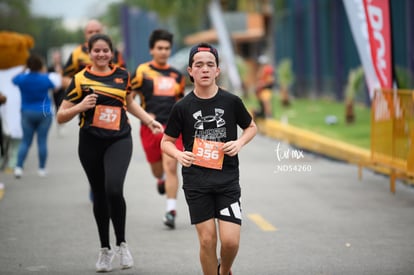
(207,153)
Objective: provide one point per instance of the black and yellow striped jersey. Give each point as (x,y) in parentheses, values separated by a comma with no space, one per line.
(159,88)
(112,89)
(79,58)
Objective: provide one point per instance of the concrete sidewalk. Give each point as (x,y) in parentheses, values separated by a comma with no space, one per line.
(303,214)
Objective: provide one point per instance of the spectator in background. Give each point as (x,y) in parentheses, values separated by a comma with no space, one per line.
(36,111)
(11,118)
(265,84)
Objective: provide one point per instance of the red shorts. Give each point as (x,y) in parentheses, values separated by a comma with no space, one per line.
(152,144)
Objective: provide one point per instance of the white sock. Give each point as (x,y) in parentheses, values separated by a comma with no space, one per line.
(171,204)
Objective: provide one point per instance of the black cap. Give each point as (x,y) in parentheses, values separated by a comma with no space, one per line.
(202,47)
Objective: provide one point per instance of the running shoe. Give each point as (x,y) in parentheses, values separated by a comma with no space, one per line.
(18,172)
(104,263)
(125,256)
(169,219)
(161,186)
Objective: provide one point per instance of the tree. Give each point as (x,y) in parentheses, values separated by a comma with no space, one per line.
(15,15)
(182,21)
(50,32)
(285,78)
(354,85)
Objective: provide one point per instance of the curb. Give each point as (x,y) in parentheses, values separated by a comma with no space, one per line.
(313,142)
(324,146)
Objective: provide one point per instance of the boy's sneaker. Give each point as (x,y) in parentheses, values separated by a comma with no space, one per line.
(18,172)
(161,186)
(104,263)
(125,256)
(169,219)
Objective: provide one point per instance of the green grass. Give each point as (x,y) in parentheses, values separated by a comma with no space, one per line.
(310,114)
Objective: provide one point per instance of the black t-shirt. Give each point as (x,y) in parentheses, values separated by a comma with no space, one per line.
(214,119)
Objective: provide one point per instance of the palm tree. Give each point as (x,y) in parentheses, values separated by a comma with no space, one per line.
(285,78)
(353,86)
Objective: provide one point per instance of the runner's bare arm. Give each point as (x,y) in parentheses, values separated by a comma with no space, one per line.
(136,110)
(185,158)
(233,147)
(69,110)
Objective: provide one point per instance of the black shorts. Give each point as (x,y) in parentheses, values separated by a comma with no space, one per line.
(222,202)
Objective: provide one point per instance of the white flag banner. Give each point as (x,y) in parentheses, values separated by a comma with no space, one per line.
(359,27)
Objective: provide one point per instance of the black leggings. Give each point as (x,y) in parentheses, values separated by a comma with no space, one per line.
(106,162)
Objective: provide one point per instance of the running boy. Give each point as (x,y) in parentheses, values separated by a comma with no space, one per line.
(160,86)
(207,118)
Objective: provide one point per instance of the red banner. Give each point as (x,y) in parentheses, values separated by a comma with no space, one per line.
(379,31)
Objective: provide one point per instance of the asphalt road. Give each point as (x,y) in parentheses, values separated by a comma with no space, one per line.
(303,214)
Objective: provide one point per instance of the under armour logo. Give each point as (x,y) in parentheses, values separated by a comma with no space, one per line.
(210,118)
